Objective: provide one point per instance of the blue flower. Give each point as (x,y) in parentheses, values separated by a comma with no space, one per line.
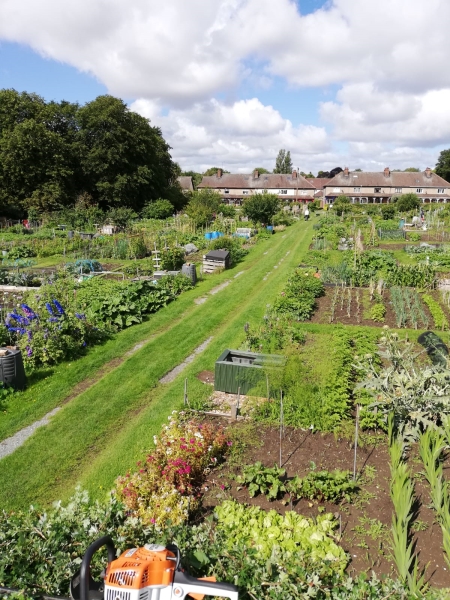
(48,306)
(84,344)
(29,351)
(59,308)
(53,319)
(29,312)
(80,316)
(30,335)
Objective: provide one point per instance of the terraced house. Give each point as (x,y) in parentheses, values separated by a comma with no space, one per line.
(235,188)
(380,188)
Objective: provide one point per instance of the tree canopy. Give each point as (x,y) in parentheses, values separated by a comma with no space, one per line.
(51,153)
(443,165)
(407,202)
(283,163)
(203,205)
(261,170)
(260,208)
(213,171)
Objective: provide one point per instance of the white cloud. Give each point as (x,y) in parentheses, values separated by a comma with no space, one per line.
(363,113)
(238,136)
(388,57)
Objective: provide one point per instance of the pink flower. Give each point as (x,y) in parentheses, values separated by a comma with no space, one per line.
(152,520)
(192,441)
(229,443)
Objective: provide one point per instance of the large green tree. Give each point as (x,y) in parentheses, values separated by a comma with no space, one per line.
(52,153)
(124,160)
(283,162)
(407,202)
(203,205)
(443,165)
(260,208)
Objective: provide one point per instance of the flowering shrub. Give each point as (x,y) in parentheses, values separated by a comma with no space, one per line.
(168,484)
(48,339)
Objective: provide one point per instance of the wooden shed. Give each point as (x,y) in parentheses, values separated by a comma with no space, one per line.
(216,259)
(236,370)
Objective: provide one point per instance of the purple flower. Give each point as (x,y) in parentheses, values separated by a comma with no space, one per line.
(58,306)
(29,351)
(29,312)
(48,306)
(80,316)
(84,344)
(53,319)
(30,335)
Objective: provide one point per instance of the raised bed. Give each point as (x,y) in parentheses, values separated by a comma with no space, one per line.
(239,371)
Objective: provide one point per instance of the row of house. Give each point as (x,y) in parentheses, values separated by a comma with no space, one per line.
(360,187)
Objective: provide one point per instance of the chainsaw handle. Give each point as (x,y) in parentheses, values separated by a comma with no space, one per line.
(86,563)
(173,548)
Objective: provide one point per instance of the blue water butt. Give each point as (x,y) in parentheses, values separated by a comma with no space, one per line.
(208,236)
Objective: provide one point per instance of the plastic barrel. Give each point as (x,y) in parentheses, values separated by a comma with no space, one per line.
(70,234)
(208,236)
(12,371)
(401,224)
(270,228)
(214,235)
(190,271)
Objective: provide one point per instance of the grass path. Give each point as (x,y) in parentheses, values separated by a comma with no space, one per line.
(101,432)
(52,387)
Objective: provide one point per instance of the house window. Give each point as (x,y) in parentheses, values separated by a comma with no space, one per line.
(226,191)
(283,191)
(336,190)
(377,190)
(419,190)
(398,190)
(357,189)
(441,190)
(245,192)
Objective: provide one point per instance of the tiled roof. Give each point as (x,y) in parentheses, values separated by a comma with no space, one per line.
(185,183)
(319,182)
(394,179)
(265,181)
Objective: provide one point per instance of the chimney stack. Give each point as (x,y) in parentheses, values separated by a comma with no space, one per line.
(255,174)
(346,172)
(428,172)
(219,173)
(294,174)
(387,172)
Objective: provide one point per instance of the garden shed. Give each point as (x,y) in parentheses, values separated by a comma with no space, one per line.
(236,370)
(216,259)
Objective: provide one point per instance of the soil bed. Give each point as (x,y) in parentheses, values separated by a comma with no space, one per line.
(323,311)
(366,521)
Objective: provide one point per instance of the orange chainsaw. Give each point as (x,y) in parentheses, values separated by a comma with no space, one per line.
(149,573)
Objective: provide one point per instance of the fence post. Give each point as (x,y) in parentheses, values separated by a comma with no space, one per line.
(356,441)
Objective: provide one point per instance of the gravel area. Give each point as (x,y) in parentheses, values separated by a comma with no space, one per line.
(12,443)
(170,376)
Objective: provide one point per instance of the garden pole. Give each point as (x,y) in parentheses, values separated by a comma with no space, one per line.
(238,398)
(356,441)
(281,421)
(267,384)
(185,392)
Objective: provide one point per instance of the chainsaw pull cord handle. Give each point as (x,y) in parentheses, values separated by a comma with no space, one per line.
(86,563)
(173,548)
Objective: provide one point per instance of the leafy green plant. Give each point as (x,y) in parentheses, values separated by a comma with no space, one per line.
(331,486)
(417,396)
(378,312)
(439,318)
(418,276)
(414,237)
(402,496)
(312,539)
(298,298)
(432,444)
(259,479)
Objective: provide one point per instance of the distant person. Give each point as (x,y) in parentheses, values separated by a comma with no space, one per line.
(306,213)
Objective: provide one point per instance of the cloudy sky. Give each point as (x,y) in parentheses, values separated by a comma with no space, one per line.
(358,83)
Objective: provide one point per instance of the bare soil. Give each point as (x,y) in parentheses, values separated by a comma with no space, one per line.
(323,312)
(366,521)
